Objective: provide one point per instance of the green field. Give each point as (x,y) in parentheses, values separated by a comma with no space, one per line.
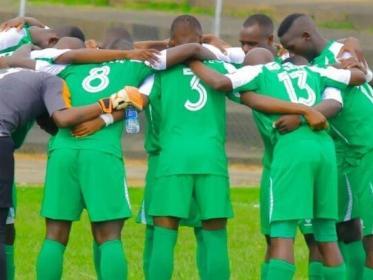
(245,241)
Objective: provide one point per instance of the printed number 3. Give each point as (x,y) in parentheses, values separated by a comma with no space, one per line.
(99,74)
(195,85)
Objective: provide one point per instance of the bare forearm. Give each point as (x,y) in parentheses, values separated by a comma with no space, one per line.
(211,77)
(90,56)
(329,108)
(272,105)
(182,53)
(21,62)
(76,115)
(34,22)
(118,115)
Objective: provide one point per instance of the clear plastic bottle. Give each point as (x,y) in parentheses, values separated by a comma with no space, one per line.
(132,120)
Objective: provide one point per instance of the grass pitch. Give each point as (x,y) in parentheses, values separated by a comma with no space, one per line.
(245,241)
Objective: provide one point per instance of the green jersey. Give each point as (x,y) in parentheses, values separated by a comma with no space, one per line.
(297,84)
(193,123)
(87,84)
(352,127)
(13,39)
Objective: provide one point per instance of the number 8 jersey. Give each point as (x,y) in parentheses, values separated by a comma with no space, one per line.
(90,82)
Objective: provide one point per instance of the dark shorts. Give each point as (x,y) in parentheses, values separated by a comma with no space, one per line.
(6,171)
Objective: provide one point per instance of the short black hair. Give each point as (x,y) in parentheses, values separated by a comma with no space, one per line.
(287,23)
(70,31)
(189,20)
(262,20)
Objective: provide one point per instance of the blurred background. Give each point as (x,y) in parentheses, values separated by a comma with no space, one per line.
(150,19)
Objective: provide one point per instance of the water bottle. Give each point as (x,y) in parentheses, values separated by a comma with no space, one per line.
(132,120)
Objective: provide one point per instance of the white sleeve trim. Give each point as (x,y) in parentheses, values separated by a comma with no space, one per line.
(161,63)
(339,75)
(50,53)
(45,66)
(231,55)
(147,85)
(11,38)
(333,94)
(244,75)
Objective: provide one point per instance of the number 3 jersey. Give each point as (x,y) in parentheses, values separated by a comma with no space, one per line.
(193,122)
(297,84)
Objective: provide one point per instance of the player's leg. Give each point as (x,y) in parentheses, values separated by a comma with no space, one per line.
(315,265)
(326,212)
(62,203)
(213,200)
(10,234)
(264,217)
(10,238)
(281,263)
(291,184)
(361,176)
(170,201)
(112,263)
(107,203)
(349,228)
(143,216)
(6,185)
(50,259)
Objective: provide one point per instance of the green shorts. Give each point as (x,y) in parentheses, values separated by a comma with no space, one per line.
(359,180)
(304,180)
(305,226)
(12,210)
(143,216)
(78,179)
(173,196)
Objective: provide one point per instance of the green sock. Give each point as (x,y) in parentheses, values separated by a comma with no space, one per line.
(315,270)
(368,273)
(113,264)
(50,261)
(217,260)
(96,258)
(354,256)
(201,253)
(280,270)
(162,257)
(334,272)
(147,250)
(264,271)
(10,268)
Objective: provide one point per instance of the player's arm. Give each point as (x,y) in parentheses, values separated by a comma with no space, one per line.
(275,106)
(89,127)
(81,56)
(19,22)
(214,79)
(179,54)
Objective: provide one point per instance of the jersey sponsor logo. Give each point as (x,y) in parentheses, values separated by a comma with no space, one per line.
(196,85)
(97,80)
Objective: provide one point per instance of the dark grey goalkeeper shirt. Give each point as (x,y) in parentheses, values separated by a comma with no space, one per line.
(27,94)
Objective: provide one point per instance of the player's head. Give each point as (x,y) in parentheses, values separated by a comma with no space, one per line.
(258,56)
(299,35)
(70,31)
(43,38)
(117,38)
(256,31)
(185,29)
(296,60)
(69,43)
